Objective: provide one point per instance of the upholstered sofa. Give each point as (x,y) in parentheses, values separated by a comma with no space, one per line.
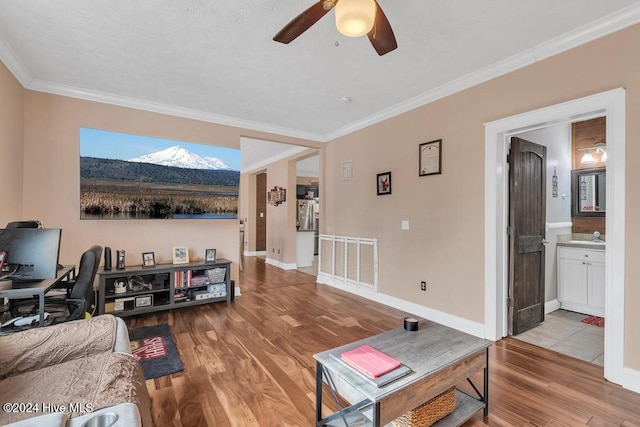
(66,374)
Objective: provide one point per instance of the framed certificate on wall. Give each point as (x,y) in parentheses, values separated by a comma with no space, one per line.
(430,158)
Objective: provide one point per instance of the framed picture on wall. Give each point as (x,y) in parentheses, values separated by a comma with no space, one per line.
(383,183)
(345,170)
(430,158)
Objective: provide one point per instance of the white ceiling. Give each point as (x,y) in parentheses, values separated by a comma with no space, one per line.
(216,61)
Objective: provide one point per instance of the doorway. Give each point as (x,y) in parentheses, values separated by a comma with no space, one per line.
(568,332)
(611,105)
(527,217)
(261,213)
(308,213)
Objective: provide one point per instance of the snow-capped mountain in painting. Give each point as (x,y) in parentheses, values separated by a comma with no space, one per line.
(179,157)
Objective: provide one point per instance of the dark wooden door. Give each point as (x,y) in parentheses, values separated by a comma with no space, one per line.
(261,212)
(527,216)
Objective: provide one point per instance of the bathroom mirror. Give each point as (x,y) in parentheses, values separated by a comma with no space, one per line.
(588,192)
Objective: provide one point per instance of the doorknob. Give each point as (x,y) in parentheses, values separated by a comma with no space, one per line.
(545,242)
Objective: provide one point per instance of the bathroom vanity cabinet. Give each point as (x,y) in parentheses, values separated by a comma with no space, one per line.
(581,280)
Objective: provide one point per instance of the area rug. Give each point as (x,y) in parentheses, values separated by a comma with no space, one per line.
(154,348)
(594,320)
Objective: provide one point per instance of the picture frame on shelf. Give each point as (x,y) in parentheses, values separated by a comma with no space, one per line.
(430,158)
(383,183)
(148,260)
(180,255)
(144,301)
(210,256)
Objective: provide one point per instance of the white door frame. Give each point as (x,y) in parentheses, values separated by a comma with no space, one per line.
(612,105)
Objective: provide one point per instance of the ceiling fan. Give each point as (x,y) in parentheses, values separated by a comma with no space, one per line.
(354,18)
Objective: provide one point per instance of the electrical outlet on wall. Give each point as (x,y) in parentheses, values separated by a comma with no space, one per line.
(423,286)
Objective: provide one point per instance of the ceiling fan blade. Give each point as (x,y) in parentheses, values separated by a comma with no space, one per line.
(301,23)
(381,35)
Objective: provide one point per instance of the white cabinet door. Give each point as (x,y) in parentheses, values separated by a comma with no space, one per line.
(595,284)
(572,281)
(581,280)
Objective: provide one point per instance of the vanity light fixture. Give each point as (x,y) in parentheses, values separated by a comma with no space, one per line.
(587,158)
(599,147)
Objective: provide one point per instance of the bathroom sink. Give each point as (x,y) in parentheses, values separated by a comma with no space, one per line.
(587,242)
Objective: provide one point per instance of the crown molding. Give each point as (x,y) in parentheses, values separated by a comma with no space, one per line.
(604,26)
(609,24)
(13,64)
(154,107)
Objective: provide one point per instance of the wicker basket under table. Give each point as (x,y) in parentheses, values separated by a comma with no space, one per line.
(430,411)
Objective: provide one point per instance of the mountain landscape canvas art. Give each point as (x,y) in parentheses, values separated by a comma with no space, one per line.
(126,176)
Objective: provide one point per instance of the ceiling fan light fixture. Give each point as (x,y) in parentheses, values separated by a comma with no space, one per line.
(355,18)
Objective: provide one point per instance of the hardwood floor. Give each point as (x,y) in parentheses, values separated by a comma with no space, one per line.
(250,363)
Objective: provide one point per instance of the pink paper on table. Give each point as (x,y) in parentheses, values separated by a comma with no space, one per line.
(370,361)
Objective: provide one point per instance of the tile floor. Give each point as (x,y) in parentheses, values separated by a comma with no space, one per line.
(563,331)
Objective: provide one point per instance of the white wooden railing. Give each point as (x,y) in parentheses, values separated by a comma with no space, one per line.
(348,260)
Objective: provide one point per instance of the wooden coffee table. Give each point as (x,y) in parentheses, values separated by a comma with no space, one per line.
(440,357)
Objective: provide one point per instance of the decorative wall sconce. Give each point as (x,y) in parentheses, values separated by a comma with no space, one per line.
(554,184)
(276,196)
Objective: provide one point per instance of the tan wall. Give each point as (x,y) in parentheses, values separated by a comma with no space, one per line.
(51,182)
(11,136)
(445,243)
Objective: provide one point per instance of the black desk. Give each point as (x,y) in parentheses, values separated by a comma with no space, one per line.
(31,289)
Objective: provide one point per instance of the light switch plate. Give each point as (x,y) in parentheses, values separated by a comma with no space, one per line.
(405,225)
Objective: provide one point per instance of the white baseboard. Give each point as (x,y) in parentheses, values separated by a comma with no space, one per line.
(631,380)
(455,322)
(281,264)
(255,253)
(551,306)
(237,291)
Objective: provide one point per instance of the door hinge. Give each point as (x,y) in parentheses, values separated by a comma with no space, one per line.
(510,230)
(508,158)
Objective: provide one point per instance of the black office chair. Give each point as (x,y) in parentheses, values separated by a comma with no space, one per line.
(24,224)
(78,300)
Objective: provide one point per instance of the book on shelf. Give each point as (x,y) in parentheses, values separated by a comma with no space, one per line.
(199,280)
(369,361)
(382,380)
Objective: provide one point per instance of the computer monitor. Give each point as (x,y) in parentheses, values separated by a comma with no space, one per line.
(32,253)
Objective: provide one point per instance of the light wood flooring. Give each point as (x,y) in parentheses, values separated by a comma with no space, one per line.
(250,363)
